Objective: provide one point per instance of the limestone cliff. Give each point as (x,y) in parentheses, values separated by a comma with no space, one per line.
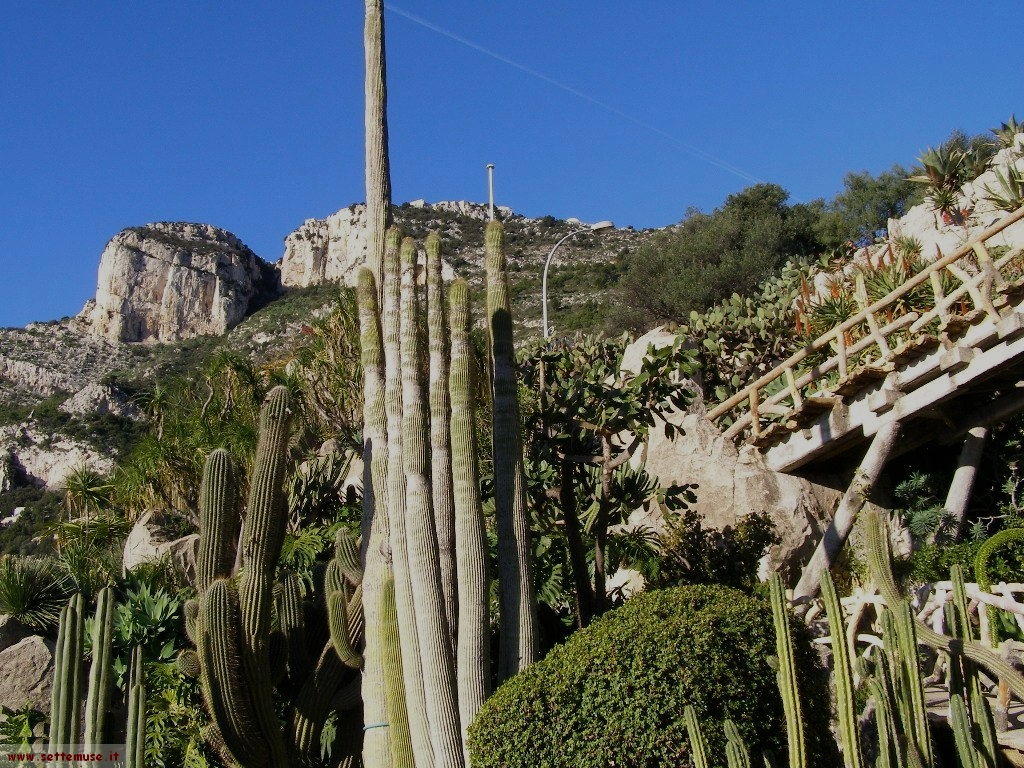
(170,281)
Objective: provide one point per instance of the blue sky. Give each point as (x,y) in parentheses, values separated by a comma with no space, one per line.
(248,115)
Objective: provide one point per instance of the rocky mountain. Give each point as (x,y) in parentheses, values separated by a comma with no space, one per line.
(169,293)
(170,281)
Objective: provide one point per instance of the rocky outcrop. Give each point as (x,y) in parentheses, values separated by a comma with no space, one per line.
(731,482)
(148,542)
(47,460)
(332,249)
(169,281)
(99,399)
(27,674)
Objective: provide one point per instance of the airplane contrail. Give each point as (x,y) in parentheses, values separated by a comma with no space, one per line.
(693,150)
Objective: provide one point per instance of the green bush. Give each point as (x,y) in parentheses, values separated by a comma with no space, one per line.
(614,693)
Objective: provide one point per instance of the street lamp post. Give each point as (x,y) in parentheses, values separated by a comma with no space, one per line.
(598,227)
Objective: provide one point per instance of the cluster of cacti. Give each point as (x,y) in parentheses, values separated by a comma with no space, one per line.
(423,520)
(256,651)
(66,724)
(891,675)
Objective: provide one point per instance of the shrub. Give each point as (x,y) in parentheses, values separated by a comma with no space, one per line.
(32,590)
(614,694)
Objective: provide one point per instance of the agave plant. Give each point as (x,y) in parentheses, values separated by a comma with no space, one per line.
(942,167)
(1006,134)
(1010,194)
(947,202)
(32,590)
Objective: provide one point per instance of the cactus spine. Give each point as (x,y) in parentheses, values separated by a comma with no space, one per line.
(786,674)
(518,630)
(440,428)
(842,675)
(378,744)
(98,698)
(421,536)
(473,662)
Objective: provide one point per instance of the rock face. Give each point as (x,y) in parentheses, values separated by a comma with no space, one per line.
(169,281)
(731,482)
(148,541)
(27,674)
(12,632)
(97,398)
(46,459)
(332,249)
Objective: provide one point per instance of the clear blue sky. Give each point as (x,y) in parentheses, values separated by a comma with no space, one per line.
(248,115)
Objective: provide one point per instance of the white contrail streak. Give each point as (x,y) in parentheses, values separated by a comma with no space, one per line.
(693,150)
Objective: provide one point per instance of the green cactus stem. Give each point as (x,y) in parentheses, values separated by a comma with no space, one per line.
(472,646)
(391,653)
(519,634)
(698,744)
(337,617)
(438,666)
(98,698)
(786,674)
(218,520)
(135,740)
(736,753)
(961,723)
(911,685)
(842,675)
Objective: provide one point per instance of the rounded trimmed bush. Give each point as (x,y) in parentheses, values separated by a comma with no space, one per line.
(614,693)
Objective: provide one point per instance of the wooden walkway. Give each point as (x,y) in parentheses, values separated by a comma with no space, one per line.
(939,370)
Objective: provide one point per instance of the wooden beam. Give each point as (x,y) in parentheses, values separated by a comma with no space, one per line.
(856,496)
(959,495)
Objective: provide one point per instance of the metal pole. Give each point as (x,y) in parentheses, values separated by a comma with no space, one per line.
(490,190)
(544,282)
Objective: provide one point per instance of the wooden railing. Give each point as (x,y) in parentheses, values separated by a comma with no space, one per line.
(862,347)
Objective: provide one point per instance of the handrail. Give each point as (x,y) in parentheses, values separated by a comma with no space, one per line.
(929,273)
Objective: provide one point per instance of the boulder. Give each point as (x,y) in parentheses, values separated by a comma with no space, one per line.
(27,674)
(148,541)
(732,482)
(46,459)
(170,281)
(99,399)
(12,632)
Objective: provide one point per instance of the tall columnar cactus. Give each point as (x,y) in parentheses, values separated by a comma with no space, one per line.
(412,664)
(842,675)
(961,723)
(378,170)
(915,714)
(378,746)
(135,737)
(980,711)
(421,536)
(786,674)
(473,651)
(880,691)
(440,428)
(98,698)
(66,698)
(519,642)
(219,521)
(880,564)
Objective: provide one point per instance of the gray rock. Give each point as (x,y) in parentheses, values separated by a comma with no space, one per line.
(27,674)
(149,542)
(169,281)
(99,399)
(732,482)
